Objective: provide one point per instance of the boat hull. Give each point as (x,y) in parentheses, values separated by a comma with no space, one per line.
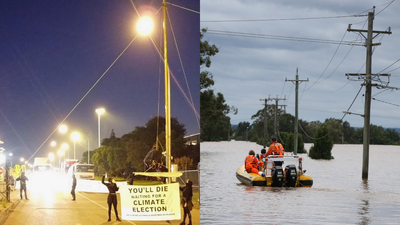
(250,178)
(253,179)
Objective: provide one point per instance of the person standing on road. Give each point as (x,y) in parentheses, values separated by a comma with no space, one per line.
(22,179)
(73,187)
(112,196)
(187,204)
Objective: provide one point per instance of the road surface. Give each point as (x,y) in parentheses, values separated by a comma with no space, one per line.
(50,203)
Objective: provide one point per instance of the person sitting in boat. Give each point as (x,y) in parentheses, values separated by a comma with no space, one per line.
(251,164)
(276,149)
(262,156)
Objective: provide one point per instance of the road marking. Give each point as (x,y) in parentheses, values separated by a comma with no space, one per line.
(103,207)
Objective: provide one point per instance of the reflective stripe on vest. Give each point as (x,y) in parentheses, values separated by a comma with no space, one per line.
(279,149)
(250,159)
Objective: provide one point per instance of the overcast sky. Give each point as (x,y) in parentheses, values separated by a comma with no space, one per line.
(53,52)
(249,69)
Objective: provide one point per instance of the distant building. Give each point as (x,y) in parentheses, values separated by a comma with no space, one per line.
(193,139)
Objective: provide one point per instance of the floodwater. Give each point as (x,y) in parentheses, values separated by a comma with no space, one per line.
(339,194)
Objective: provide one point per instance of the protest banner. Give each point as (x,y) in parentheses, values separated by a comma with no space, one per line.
(150,203)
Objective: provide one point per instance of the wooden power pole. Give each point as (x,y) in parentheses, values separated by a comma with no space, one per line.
(367,108)
(296,120)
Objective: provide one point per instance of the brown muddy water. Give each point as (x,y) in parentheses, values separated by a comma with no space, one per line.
(339,194)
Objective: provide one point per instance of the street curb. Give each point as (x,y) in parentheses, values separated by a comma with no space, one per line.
(7,211)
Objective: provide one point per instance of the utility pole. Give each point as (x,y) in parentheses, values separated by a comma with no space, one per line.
(296,120)
(276,121)
(265,120)
(367,108)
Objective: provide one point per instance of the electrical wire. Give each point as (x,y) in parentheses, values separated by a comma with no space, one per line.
(84,96)
(388,4)
(280,37)
(352,102)
(197,115)
(285,19)
(178,6)
(385,102)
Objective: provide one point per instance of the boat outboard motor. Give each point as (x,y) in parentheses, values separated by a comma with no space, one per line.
(277,176)
(290,175)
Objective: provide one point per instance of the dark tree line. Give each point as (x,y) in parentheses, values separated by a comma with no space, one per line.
(125,154)
(340,131)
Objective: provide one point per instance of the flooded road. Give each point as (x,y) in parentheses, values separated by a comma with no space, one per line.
(338,196)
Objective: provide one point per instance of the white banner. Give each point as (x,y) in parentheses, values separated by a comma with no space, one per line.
(156,202)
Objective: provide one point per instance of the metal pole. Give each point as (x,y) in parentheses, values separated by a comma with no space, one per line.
(366,136)
(99,127)
(167,94)
(88,149)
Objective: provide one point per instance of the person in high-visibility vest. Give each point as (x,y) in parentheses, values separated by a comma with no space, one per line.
(251,164)
(276,149)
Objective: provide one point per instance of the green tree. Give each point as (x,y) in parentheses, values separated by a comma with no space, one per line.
(118,155)
(323,144)
(214,122)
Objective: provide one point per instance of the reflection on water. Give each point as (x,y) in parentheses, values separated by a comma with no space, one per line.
(338,196)
(364,206)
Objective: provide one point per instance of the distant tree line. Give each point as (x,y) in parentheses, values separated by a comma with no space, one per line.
(122,155)
(340,131)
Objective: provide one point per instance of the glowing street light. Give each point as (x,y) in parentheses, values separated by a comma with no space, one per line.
(22,160)
(145,25)
(51,156)
(60,154)
(99,111)
(63,129)
(65,146)
(75,137)
(53,144)
(167,92)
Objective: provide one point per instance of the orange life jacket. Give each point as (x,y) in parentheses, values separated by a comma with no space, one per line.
(250,161)
(278,150)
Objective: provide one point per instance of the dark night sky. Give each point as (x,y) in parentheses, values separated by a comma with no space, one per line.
(52,52)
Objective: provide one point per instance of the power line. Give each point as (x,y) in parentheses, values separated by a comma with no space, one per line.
(385,102)
(280,37)
(353,101)
(178,6)
(283,19)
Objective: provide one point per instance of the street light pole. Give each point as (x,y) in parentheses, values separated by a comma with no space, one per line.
(99,112)
(167,94)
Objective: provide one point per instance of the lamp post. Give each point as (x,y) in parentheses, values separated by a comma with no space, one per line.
(167,87)
(99,111)
(60,154)
(65,147)
(75,137)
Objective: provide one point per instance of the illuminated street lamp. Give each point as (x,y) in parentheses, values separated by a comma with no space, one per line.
(63,129)
(21,160)
(51,156)
(65,146)
(53,144)
(60,154)
(167,92)
(145,25)
(75,137)
(99,111)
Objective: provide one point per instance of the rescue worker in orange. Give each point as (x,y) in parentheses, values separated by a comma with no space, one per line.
(251,163)
(276,149)
(263,155)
